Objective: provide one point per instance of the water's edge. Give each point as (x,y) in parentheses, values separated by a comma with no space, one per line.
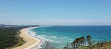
(32,34)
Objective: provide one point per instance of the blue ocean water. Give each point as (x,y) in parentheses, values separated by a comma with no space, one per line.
(60,35)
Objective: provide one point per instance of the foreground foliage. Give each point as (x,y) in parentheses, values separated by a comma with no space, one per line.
(87,43)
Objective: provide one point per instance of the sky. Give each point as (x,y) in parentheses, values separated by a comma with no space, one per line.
(55,12)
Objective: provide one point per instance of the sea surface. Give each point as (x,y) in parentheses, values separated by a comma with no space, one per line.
(59,36)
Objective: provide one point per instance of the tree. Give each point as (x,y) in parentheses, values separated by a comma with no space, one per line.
(89,40)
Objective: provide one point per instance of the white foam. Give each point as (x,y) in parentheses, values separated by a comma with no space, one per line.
(39,37)
(43,37)
(33,34)
(53,36)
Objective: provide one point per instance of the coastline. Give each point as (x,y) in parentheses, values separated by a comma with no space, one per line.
(30,42)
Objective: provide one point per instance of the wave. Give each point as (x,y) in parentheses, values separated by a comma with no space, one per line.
(53,36)
(43,38)
(39,37)
(33,34)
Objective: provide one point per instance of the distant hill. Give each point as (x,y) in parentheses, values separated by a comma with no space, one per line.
(2,25)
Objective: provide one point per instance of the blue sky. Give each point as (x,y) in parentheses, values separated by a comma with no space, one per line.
(55,12)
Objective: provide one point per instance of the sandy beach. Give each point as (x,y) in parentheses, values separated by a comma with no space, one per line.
(30,42)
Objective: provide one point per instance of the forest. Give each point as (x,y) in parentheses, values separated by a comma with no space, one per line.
(9,37)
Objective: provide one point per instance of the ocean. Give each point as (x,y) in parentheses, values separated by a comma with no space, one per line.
(59,36)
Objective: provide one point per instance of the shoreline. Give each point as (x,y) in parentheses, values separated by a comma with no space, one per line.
(30,42)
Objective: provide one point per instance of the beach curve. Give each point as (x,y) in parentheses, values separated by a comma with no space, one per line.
(30,42)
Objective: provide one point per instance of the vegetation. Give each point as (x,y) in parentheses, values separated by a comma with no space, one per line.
(9,37)
(87,43)
(105,45)
(49,46)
